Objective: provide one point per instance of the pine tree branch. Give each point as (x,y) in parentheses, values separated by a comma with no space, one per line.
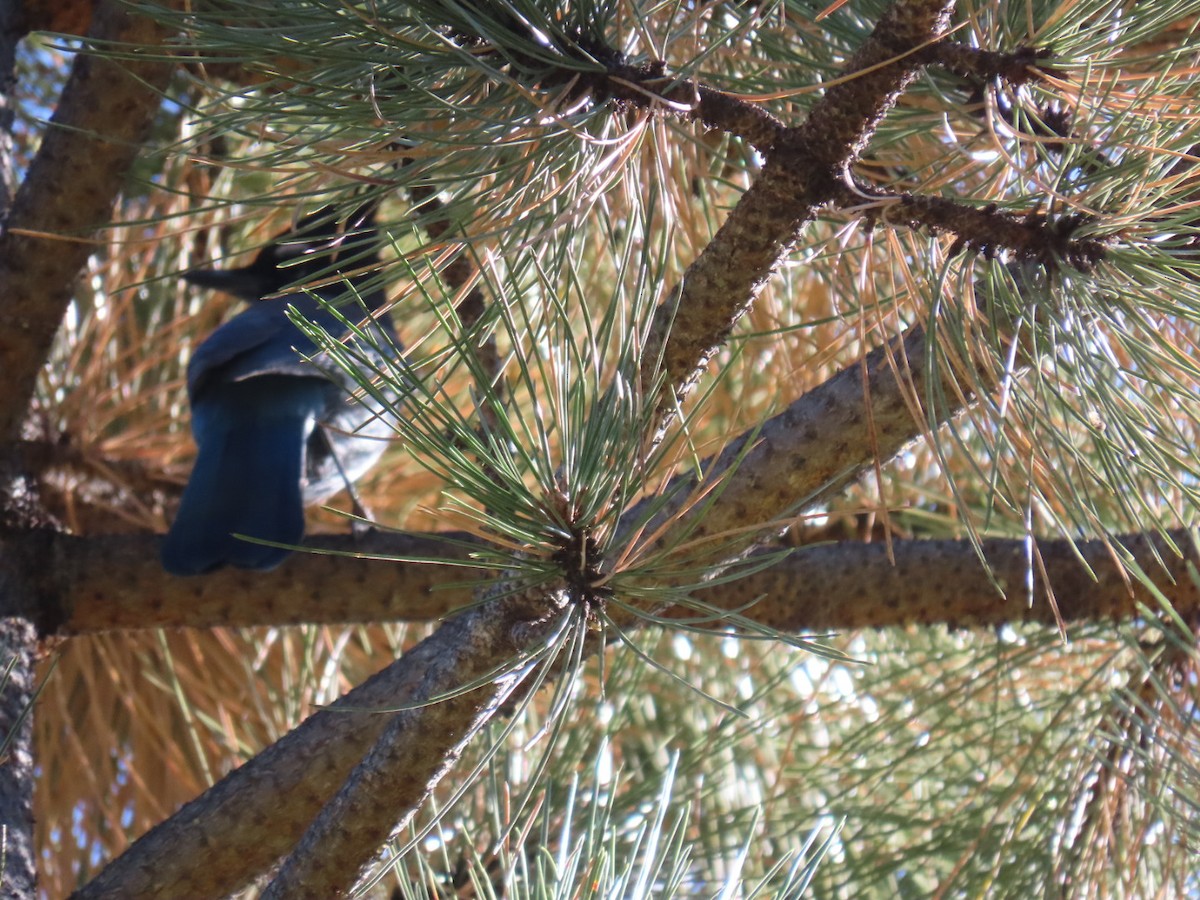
(1032,237)
(834,587)
(798,178)
(243,824)
(421,743)
(824,440)
(462,274)
(1015,67)
(102,117)
(18,691)
(647,88)
(116,583)
(590,66)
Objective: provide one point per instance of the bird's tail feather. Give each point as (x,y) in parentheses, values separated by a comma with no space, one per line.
(246,481)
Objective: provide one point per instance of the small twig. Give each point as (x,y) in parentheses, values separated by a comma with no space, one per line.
(1032,236)
(1015,67)
(686,98)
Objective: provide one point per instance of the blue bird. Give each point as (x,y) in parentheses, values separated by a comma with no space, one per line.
(275,432)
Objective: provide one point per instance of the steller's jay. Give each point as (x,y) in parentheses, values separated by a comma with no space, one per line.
(274,431)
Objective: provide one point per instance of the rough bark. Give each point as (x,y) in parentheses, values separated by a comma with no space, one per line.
(421,743)
(117,584)
(836,587)
(18,648)
(802,171)
(818,445)
(243,824)
(103,116)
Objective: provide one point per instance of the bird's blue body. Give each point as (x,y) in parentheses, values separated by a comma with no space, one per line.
(274,431)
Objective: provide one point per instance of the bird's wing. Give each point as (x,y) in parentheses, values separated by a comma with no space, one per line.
(261,340)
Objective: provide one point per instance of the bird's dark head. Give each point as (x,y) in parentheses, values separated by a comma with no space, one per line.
(319,246)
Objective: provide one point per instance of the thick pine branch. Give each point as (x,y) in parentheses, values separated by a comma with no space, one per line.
(798,178)
(420,744)
(103,116)
(117,584)
(243,824)
(824,440)
(834,587)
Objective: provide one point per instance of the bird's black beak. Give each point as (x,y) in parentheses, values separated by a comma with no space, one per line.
(244,282)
